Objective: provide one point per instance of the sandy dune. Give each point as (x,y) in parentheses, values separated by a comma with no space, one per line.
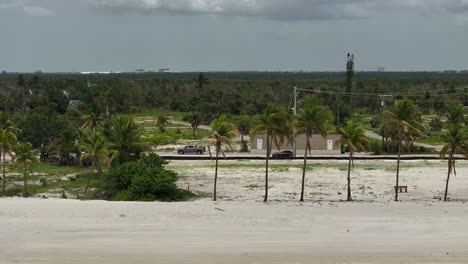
(61,231)
(239,229)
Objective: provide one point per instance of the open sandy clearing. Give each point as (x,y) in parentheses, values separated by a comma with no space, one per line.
(372,181)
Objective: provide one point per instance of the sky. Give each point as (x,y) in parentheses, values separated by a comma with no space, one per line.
(232,35)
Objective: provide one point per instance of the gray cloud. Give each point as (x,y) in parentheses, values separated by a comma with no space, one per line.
(284,9)
(33,8)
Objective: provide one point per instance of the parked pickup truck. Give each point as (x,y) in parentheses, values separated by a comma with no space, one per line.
(191,149)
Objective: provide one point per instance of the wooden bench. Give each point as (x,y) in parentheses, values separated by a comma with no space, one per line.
(402,188)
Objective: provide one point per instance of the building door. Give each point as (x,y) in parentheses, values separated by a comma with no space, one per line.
(329,144)
(259,143)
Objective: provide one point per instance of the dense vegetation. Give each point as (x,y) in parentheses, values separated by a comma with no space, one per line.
(87,120)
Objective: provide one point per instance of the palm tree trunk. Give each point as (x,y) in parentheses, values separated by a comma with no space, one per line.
(266,168)
(194,132)
(242,138)
(89,179)
(216,171)
(398,165)
(304,167)
(25,179)
(87,186)
(4,172)
(349,198)
(23,102)
(448,176)
(99,169)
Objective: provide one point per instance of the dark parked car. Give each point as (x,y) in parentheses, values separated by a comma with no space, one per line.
(285,154)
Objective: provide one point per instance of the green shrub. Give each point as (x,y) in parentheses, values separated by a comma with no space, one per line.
(144,180)
(436,124)
(376,147)
(376,121)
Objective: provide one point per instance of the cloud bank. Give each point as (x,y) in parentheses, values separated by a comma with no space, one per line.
(284,9)
(32,8)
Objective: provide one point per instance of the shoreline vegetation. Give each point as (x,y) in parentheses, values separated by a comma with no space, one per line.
(241,181)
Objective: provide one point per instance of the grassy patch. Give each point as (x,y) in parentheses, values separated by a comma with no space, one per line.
(153,112)
(50,169)
(434,138)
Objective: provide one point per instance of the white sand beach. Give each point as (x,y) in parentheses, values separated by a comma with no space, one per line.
(240,229)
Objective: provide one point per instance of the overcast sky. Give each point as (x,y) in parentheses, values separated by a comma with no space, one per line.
(230,35)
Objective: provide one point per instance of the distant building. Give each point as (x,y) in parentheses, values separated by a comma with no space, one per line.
(381,69)
(163,70)
(331,144)
(140,70)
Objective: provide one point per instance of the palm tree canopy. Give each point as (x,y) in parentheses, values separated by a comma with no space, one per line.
(455,115)
(8,141)
(25,155)
(223,130)
(456,139)
(201,81)
(194,119)
(314,118)
(276,122)
(125,136)
(162,120)
(404,114)
(353,135)
(244,125)
(5,122)
(94,120)
(97,148)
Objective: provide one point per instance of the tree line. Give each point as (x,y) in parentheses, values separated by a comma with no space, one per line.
(314,118)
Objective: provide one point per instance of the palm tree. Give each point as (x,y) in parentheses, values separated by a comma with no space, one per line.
(353,135)
(162,122)
(312,119)
(404,116)
(276,122)
(455,115)
(95,119)
(96,149)
(195,121)
(23,94)
(107,99)
(244,128)
(201,82)
(223,132)
(65,144)
(5,122)
(457,142)
(8,143)
(125,136)
(24,157)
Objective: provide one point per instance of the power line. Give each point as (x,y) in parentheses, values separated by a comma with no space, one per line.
(394,93)
(375,96)
(372,94)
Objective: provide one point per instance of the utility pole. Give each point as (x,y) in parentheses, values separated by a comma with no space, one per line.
(294,120)
(383,98)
